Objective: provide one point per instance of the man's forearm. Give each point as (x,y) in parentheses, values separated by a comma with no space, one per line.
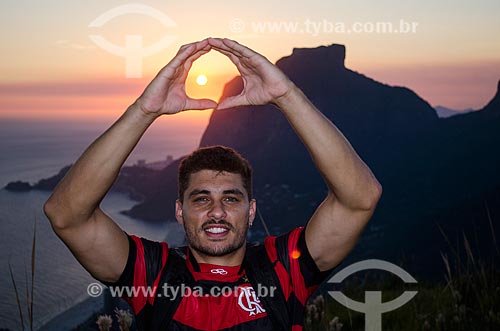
(79,193)
(346,175)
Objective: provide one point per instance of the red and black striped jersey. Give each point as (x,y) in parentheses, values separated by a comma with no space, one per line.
(222,297)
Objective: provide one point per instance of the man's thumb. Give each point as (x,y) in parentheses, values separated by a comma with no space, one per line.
(230,102)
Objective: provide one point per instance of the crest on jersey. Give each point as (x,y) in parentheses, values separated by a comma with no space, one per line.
(249,301)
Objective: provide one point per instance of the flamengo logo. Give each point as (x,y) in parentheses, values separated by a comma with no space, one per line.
(219,271)
(248,301)
(373,307)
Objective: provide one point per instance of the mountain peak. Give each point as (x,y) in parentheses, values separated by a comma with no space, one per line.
(323,56)
(333,53)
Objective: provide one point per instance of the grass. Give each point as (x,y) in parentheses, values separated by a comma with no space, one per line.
(466,302)
(468,297)
(29,290)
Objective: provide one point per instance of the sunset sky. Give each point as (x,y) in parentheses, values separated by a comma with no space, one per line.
(52,70)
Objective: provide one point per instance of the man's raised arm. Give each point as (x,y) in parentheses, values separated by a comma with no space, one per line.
(353,190)
(73,208)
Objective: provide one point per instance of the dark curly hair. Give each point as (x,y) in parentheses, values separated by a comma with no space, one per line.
(218,158)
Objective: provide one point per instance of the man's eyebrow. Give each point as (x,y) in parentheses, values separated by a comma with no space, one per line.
(204,191)
(196,192)
(233,191)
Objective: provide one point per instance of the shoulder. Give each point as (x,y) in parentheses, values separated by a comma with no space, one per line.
(286,243)
(146,256)
(291,250)
(149,248)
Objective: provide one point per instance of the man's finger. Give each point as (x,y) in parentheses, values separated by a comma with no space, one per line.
(183,54)
(231,56)
(200,104)
(186,51)
(238,48)
(244,54)
(218,43)
(189,62)
(234,101)
(198,44)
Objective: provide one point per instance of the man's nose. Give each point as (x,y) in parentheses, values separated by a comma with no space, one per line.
(217,211)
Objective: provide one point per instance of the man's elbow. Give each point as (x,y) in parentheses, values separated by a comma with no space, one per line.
(371,197)
(375,194)
(50,210)
(55,215)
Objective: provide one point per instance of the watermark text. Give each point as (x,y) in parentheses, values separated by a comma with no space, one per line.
(318,27)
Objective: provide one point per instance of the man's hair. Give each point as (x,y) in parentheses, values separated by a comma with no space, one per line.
(217,158)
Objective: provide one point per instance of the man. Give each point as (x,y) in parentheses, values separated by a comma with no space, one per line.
(216,208)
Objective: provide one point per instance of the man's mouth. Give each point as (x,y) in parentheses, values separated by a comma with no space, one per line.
(216,231)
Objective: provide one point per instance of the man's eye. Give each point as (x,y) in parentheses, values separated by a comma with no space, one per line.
(231,199)
(199,199)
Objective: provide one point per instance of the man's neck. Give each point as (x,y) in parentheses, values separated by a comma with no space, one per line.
(232,259)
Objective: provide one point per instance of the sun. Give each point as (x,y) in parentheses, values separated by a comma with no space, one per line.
(201,80)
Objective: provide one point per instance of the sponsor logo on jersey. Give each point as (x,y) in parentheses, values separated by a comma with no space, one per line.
(219,271)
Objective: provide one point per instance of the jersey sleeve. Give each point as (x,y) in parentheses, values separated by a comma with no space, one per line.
(298,273)
(138,283)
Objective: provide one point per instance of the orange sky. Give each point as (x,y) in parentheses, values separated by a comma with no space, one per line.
(52,70)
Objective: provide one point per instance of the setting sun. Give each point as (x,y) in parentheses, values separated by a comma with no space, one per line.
(201,80)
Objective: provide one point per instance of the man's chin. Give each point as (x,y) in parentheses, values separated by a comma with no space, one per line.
(216,250)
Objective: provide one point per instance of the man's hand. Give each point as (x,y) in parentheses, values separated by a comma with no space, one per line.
(166,94)
(263,82)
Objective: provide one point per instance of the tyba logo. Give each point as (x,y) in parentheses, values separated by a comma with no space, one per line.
(133,51)
(373,307)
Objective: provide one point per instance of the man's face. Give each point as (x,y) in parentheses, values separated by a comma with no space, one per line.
(216,213)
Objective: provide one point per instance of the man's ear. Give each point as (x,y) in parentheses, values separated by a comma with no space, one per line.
(178,212)
(251,211)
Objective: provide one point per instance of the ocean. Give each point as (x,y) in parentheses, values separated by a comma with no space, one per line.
(32,150)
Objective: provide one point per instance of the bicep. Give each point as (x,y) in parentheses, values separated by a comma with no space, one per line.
(99,245)
(333,231)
